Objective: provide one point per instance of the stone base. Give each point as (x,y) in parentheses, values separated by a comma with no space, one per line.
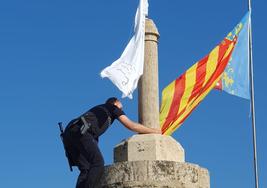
(149,147)
(155,174)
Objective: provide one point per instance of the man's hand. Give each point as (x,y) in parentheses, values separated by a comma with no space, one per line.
(157,131)
(137,127)
(153,130)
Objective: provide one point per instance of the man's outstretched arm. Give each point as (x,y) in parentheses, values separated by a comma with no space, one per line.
(137,127)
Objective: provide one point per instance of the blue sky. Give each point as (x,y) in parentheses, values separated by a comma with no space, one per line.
(51,54)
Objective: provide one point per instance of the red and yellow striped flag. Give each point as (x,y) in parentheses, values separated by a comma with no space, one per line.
(185,93)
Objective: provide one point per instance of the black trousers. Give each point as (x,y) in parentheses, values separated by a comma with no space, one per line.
(85,154)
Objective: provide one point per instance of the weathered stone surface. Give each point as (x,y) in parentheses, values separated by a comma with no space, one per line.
(149,147)
(155,174)
(148,90)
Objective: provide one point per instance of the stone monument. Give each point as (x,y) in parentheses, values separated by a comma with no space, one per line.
(152,160)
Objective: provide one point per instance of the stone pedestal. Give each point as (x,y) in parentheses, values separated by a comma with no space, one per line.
(149,147)
(152,161)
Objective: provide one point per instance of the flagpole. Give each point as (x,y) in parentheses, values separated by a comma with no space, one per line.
(251,78)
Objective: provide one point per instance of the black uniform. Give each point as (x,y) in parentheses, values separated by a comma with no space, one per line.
(83,149)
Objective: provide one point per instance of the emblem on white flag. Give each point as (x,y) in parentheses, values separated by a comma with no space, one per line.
(126,71)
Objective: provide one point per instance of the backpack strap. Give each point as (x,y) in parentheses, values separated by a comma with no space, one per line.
(85,127)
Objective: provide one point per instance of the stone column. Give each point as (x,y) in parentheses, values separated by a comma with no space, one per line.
(152,160)
(148,92)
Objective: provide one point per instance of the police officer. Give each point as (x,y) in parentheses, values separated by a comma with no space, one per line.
(81,139)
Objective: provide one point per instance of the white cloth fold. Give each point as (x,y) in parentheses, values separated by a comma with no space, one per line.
(126,71)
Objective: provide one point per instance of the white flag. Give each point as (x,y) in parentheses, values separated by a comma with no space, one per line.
(126,71)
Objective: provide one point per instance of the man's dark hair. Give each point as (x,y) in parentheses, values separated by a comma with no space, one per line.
(111,100)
